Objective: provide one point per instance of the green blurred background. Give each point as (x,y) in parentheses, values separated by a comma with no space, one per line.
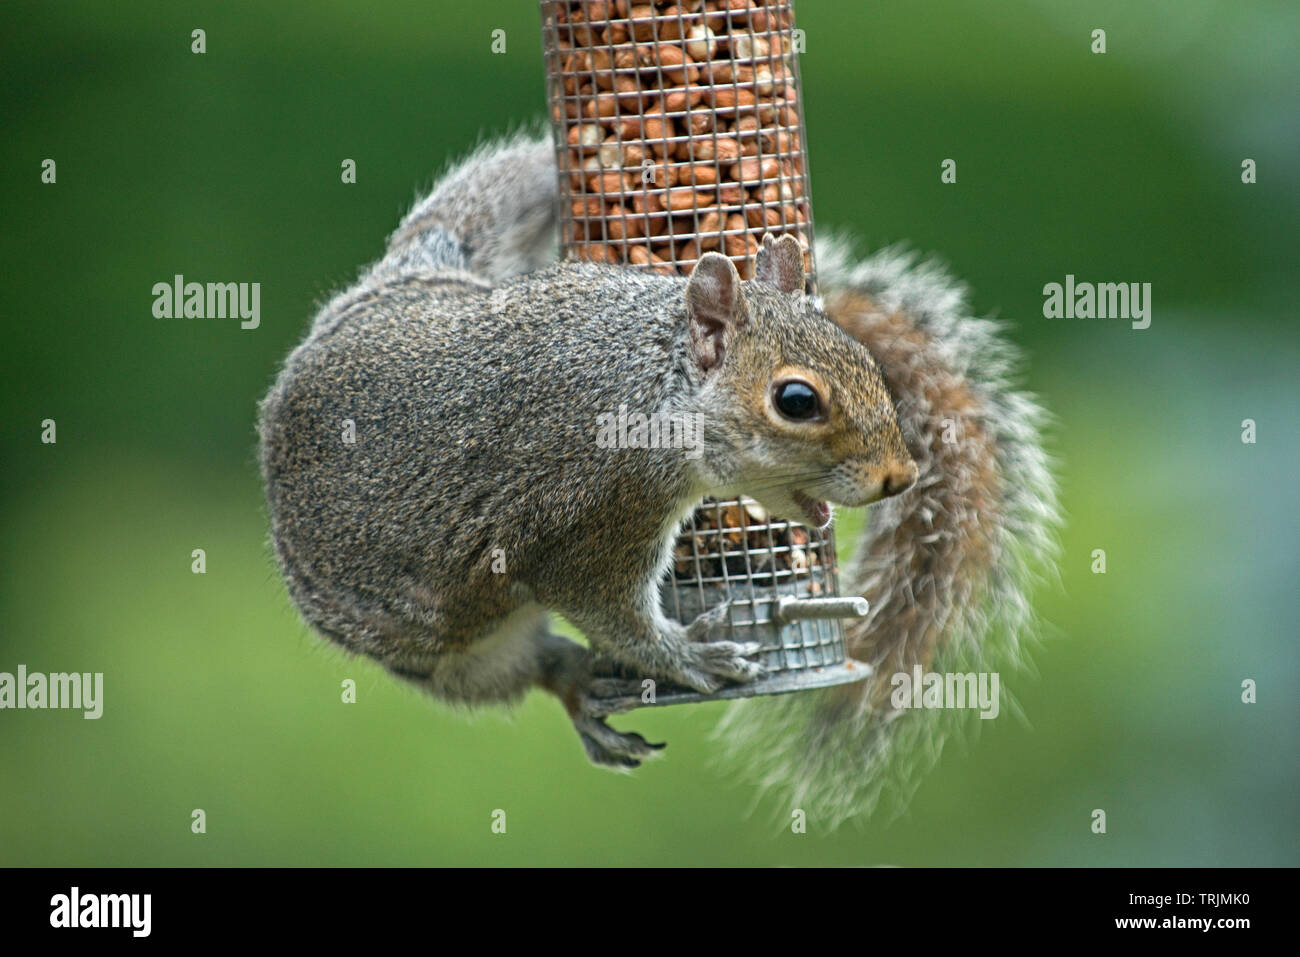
(1119,167)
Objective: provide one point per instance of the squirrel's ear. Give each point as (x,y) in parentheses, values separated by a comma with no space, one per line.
(780,263)
(715,306)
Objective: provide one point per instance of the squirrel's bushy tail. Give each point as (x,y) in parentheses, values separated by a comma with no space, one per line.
(947,566)
(491,215)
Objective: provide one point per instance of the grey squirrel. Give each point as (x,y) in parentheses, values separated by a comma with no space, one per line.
(473,498)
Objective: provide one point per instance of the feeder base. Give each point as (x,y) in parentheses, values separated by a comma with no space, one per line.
(846,672)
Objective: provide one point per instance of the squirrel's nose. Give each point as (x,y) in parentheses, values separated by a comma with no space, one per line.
(899,478)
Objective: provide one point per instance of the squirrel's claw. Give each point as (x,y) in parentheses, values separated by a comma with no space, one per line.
(610,748)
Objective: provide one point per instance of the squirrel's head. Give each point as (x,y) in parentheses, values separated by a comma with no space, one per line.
(797,414)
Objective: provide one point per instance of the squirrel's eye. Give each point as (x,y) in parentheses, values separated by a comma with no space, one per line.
(797,400)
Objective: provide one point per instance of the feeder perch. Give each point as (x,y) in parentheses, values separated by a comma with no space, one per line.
(678,130)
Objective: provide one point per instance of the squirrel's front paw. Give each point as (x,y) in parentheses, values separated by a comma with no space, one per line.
(709,664)
(705,665)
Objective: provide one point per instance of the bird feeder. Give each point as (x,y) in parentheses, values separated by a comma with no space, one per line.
(678,130)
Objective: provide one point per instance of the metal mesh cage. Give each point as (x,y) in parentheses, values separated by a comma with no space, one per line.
(678,130)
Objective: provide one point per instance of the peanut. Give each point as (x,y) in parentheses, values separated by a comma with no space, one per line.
(702,43)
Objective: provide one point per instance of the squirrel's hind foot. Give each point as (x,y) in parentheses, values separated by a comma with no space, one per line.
(621,750)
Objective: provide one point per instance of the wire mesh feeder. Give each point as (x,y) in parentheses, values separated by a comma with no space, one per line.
(678,130)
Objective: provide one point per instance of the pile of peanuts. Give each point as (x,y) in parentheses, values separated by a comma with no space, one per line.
(741,540)
(678,127)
